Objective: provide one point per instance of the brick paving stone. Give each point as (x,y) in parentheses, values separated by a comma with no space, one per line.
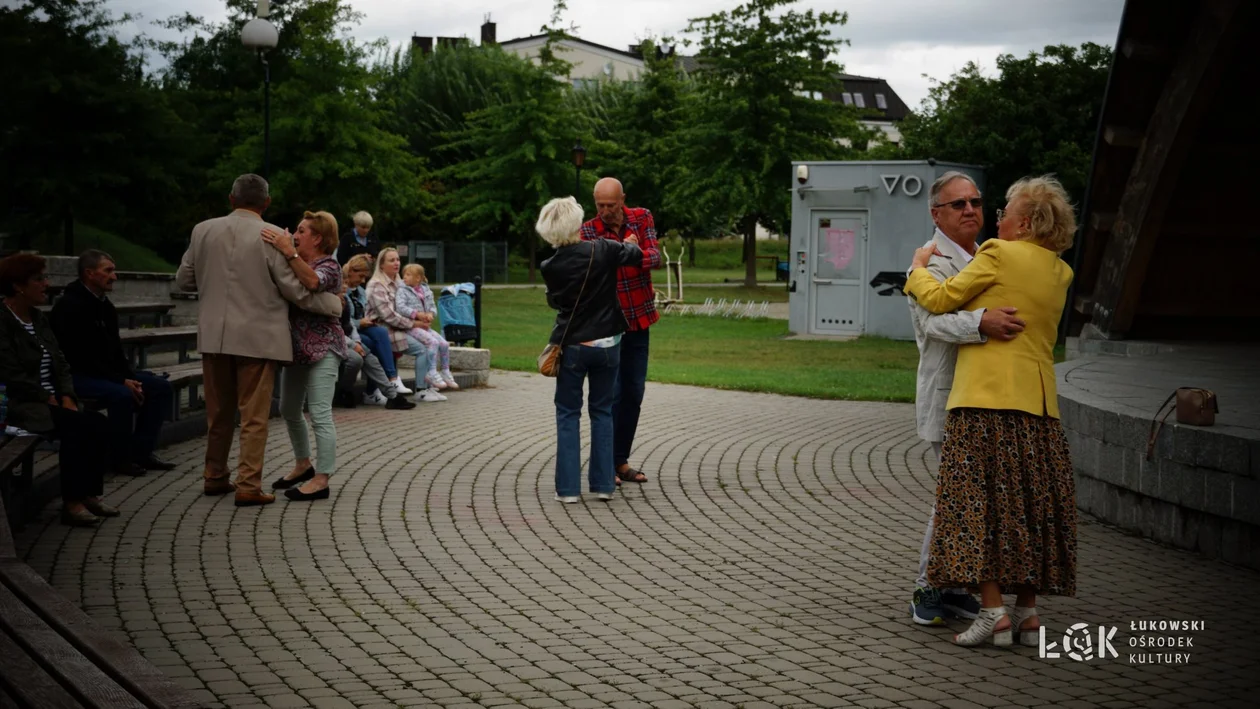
(766,563)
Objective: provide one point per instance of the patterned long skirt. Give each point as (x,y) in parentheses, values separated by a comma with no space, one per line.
(1005,504)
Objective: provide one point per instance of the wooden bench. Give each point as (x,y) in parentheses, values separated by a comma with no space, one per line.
(140,339)
(183,376)
(129,313)
(56,657)
(17,470)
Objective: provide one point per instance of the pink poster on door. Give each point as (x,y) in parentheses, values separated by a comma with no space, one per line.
(840,245)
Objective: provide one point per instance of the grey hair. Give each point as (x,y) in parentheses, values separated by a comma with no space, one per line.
(362,219)
(559,222)
(250,191)
(945,179)
(89,260)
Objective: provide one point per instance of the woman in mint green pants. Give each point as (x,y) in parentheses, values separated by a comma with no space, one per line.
(319,346)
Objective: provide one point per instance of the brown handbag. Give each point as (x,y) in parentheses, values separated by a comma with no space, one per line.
(552,356)
(1194,407)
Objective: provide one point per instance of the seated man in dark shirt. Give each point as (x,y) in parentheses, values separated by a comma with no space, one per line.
(86,325)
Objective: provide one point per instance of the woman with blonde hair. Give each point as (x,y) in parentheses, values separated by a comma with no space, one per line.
(582,286)
(382,295)
(1005,497)
(319,346)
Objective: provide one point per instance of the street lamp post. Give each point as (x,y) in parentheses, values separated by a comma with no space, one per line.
(579,157)
(261,35)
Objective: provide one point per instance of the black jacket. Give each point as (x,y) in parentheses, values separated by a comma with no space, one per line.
(87,330)
(599,313)
(20,356)
(348,246)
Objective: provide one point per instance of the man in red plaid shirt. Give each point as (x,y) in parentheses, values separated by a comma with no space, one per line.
(634,291)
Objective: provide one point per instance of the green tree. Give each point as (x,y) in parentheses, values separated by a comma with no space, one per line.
(1038,115)
(516,151)
(82,127)
(636,129)
(763,70)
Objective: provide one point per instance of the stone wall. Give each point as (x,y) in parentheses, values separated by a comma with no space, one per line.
(1199,490)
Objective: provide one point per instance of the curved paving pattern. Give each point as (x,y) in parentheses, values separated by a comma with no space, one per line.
(766,564)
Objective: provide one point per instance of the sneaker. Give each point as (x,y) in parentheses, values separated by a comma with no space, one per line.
(375,398)
(605,496)
(450,380)
(434,380)
(399,403)
(430,395)
(399,386)
(926,608)
(960,604)
(567,499)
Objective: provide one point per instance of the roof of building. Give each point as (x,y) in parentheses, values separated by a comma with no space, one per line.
(578,40)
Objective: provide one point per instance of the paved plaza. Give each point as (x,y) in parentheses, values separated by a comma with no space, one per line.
(768,563)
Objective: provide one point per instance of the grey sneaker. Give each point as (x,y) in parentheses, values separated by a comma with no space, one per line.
(926,608)
(960,604)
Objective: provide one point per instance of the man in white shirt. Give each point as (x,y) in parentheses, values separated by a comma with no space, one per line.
(958,212)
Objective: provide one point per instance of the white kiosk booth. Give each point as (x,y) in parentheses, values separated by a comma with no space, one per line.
(855,226)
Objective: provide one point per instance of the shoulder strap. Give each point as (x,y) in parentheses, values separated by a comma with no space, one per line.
(581,290)
(1157,425)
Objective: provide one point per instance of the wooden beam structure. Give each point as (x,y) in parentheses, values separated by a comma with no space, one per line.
(1173,125)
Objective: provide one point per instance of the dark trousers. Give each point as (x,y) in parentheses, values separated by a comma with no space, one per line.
(631,378)
(85,451)
(137,426)
(599,366)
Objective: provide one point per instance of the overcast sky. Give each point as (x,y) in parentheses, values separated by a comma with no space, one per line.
(898,40)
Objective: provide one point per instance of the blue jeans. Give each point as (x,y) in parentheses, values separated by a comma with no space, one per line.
(631,378)
(376,340)
(134,428)
(599,364)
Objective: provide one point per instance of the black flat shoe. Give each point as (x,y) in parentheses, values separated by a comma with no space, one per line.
(156,463)
(283,484)
(298,496)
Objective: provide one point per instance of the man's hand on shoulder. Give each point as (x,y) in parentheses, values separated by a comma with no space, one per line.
(1000,324)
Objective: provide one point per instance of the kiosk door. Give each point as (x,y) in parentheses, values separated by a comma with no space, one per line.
(838,265)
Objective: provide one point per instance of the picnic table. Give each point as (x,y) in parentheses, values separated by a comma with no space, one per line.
(140,339)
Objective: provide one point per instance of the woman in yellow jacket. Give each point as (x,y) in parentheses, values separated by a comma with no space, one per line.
(1005,497)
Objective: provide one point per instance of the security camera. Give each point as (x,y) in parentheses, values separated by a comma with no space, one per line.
(802,173)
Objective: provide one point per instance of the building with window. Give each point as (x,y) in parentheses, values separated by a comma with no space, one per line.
(882,108)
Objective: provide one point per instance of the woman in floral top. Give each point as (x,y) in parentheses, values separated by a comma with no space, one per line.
(319,346)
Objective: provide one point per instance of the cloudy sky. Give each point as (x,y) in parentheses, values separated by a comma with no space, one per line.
(898,40)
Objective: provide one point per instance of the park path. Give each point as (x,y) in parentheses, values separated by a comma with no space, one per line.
(766,564)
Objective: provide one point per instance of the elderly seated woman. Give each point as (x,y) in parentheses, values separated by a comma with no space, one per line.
(363,354)
(41,393)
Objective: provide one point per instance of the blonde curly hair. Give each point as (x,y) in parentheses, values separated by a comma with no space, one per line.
(1044,202)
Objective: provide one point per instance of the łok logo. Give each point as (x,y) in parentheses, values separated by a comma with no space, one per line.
(1078,643)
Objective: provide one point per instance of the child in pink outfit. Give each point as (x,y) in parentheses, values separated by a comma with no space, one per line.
(417,298)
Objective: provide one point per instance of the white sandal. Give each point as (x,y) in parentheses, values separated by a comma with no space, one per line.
(1026,637)
(984,629)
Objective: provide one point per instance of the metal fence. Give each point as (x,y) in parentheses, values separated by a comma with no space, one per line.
(460,261)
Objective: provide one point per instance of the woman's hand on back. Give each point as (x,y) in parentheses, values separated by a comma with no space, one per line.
(923,255)
(281,241)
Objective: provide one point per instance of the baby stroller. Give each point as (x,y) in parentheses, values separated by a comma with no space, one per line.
(455,308)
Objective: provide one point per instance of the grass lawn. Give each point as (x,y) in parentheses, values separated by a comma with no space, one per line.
(748,355)
(129,256)
(717,261)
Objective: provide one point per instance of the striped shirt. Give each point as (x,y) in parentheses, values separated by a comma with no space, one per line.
(45,362)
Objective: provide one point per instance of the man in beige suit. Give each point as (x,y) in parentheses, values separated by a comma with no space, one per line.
(244,289)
